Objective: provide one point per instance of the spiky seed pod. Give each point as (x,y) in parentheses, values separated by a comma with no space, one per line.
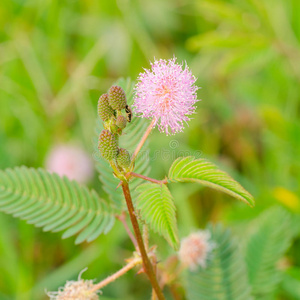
(121,122)
(117,97)
(108,145)
(104,110)
(123,158)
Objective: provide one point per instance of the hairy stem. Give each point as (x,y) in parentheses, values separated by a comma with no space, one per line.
(165,181)
(141,143)
(116,275)
(153,296)
(146,262)
(122,219)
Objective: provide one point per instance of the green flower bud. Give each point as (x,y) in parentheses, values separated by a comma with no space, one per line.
(117,98)
(104,110)
(123,158)
(108,145)
(114,128)
(121,122)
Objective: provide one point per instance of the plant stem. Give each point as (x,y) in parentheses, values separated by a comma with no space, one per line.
(122,218)
(146,262)
(118,274)
(141,143)
(153,297)
(165,181)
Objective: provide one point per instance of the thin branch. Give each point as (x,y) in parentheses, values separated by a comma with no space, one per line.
(146,262)
(122,218)
(146,237)
(164,181)
(118,274)
(141,143)
(153,296)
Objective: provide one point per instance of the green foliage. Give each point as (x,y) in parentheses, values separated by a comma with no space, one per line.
(189,169)
(54,203)
(291,283)
(156,207)
(225,276)
(267,243)
(131,136)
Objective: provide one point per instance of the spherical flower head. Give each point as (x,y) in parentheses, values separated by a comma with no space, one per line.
(121,122)
(166,93)
(195,249)
(70,161)
(80,289)
(123,158)
(104,110)
(117,98)
(108,145)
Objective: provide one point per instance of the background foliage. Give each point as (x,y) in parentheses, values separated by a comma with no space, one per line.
(56,58)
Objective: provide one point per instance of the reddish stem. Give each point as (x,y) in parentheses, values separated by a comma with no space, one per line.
(146,262)
(165,181)
(122,218)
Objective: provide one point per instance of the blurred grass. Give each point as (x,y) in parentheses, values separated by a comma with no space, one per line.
(56,58)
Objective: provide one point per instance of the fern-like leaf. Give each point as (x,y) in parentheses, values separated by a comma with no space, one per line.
(54,203)
(157,209)
(189,169)
(132,135)
(225,276)
(269,239)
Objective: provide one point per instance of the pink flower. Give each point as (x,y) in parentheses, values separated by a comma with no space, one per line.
(80,289)
(70,161)
(166,93)
(195,248)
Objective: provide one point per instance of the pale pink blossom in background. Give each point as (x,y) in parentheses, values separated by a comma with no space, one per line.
(195,249)
(80,289)
(166,93)
(70,161)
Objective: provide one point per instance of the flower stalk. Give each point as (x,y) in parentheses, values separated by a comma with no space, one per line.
(122,219)
(141,143)
(146,262)
(118,274)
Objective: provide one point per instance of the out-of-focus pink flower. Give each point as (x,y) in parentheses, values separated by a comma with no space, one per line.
(195,248)
(70,161)
(166,93)
(80,289)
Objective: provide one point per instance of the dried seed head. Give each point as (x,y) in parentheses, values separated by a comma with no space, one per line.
(117,97)
(80,289)
(123,158)
(121,122)
(104,110)
(195,248)
(108,145)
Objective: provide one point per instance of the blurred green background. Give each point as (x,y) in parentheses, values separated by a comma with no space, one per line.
(58,57)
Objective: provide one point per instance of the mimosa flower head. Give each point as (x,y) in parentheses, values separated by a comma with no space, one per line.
(195,249)
(80,289)
(166,93)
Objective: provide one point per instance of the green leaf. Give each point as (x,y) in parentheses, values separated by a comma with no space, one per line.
(132,135)
(267,242)
(225,276)
(291,283)
(156,207)
(54,203)
(189,169)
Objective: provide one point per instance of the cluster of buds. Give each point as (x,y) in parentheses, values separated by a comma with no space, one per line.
(110,108)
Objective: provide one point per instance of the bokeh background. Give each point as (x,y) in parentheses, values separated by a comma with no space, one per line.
(58,57)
